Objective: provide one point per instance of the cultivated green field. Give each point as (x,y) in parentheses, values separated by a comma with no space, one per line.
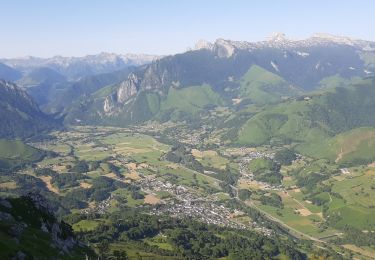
(356,207)
(86,225)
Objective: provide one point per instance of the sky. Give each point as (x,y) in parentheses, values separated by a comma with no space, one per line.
(46,28)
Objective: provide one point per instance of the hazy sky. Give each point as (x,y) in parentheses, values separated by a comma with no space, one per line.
(80,27)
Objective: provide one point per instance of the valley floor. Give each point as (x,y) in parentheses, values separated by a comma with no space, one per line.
(180,189)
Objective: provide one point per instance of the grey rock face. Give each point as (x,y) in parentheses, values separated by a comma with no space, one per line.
(224,49)
(108,104)
(127,88)
(64,244)
(40,202)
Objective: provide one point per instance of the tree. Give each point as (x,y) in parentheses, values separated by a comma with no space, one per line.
(95,165)
(120,255)
(285,156)
(81,167)
(273,200)
(45,172)
(265,169)
(244,194)
(103,248)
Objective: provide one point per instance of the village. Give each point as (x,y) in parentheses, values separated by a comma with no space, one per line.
(183,200)
(187,203)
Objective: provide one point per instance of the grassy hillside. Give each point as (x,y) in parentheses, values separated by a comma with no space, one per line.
(286,121)
(186,103)
(314,120)
(334,82)
(191,99)
(356,145)
(264,87)
(14,153)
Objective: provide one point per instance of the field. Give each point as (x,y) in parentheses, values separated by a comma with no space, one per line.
(129,200)
(86,225)
(210,158)
(300,215)
(135,252)
(357,206)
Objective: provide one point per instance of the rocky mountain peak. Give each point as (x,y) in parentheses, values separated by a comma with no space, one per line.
(203,44)
(277,37)
(127,88)
(224,48)
(77,67)
(333,38)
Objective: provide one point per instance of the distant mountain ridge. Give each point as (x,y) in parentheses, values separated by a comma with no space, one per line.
(54,83)
(76,67)
(279,40)
(41,75)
